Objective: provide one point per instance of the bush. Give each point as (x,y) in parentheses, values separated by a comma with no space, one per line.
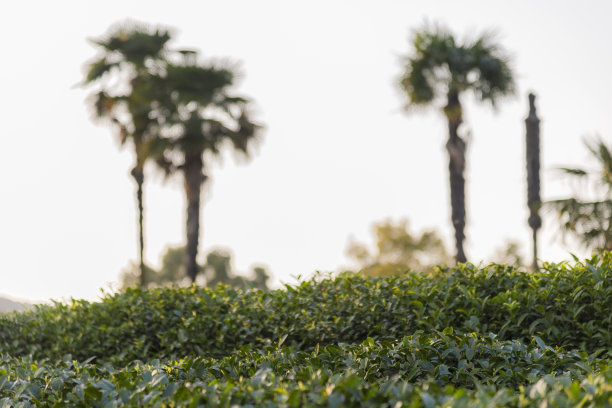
(566,306)
(468,336)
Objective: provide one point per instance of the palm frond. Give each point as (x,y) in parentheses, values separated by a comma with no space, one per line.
(573,172)
(98,69)
(589,221)
(247,134)
(417,83)
(439,64)
(134,42)
(490,65)
(602,153)
(198,84)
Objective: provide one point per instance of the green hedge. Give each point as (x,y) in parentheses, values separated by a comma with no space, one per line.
(465,337)
(421,369)
(567,306)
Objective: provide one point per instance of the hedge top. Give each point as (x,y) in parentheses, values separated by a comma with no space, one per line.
(565,305)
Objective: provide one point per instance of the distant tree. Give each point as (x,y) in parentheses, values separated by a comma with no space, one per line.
(509,254)
(172,271)
(398,250)
(200,116)
(440,67)
(131,276)
(130,56)
(590,221)
(260,278)
(173,265)
(217,270)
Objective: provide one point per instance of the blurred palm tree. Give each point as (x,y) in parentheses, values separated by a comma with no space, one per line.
(590,221)
(130,56)
(200,116)
(440,67)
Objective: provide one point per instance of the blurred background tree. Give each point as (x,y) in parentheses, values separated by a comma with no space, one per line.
(129,56)
(398,250)
(174,108)
(509,254)
(440,68)
(589,221)
(199,117)
(217,270)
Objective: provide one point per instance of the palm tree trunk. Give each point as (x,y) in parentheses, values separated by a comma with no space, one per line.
(456,152)
(194,178)
(138,175)
(532,124)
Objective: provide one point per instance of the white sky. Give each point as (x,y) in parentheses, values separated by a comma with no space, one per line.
(338,154)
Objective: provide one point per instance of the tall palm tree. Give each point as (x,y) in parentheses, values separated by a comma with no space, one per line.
(199,117)
(590,220)
(131,55)
(440,67)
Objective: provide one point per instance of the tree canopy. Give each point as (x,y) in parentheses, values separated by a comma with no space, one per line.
(439,65)
(399,250)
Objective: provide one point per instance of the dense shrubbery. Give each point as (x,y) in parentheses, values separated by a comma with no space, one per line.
(467,337)
(419,368)
(568,306)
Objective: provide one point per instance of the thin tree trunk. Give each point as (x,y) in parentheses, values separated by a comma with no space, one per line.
(138,175)
(532,124)
(456,151)
(534,266)
(194,179)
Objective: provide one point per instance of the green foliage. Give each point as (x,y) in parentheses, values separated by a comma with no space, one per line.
(440,64)
(566,306)
(365,374)
(590,221)
(121,79)
(398,250)
(467,336)
(127,41)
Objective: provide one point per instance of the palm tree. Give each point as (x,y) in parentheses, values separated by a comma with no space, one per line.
(590,220)
(440,67)
(199,117)
(131,55)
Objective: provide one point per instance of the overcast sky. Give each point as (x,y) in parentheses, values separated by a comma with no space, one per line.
(338,153)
